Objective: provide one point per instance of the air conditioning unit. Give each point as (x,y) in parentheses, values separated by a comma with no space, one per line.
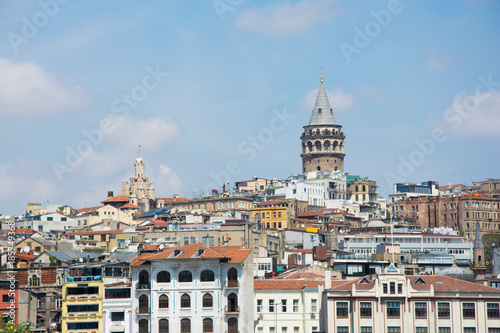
(261,316)
(313,315)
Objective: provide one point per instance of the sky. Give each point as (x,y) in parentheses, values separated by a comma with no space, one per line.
(218,91)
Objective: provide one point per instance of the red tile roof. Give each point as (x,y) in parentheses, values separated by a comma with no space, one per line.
(24,256)
(84,210)
(276,284)
(321,212)
(118,198)
(236,254)
(150,247)
(24,230)
(173,199)
(129,205)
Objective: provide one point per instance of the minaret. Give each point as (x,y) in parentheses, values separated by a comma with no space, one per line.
(323,139)
(479,260)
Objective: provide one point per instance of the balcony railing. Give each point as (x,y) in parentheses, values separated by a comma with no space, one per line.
(83,278)
(142,310)
(232,309)
(143,286)
(232,284)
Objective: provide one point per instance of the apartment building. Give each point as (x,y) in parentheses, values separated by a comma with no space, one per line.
(193,288)
(395,303)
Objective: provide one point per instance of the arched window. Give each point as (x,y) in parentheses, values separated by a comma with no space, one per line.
(35,281)
(327,145)
(163,302)
(185,325)
(207,275)
(163,276)
(310,146)
(143,326)
(208,325)
(232,303)
(319,169)
(232,277)
(318,146)
(356,188)
(232,325)
(143,304)
(185,276)
(143,279)
(208,301)
(163,326)
(364,188)
(185,301)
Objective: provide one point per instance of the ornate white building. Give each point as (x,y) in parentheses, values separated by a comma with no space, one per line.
(193,288)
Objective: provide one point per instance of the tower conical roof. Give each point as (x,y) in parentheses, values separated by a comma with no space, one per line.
(322,113)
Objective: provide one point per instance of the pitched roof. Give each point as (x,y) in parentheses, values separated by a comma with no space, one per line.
(94,232)
(322,113)
(24,256)
(173,199)
(24,230)
(118,198)
(129,205)
(235,254)
(275,284)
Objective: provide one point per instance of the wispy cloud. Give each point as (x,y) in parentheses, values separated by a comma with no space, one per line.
(438,62)
(287,18)
(28,88)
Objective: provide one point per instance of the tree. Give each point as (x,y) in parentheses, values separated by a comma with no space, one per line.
(490,241)
(6,327)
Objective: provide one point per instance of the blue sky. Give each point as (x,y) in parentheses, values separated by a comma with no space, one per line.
(220,90)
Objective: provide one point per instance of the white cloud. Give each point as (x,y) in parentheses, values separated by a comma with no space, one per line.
(287,18)
(437,62)
(29,88)
(339,100)
(151,133)
(168,182)
(19,180)
(467,118)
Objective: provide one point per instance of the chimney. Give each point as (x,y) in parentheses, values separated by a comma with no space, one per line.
(110,194)
(328,279)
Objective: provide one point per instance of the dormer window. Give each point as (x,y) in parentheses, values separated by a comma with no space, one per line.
(319,110)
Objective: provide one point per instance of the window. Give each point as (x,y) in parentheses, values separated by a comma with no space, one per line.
(232,302)
(444,330)
(83,308)
(185,325)
(92,325)
(342,309)
(283,305)
(144,279)
(114,292)
(208,325)
(232,277)
(118,316)
(207,276)
(400,288)
(420,329)
(296,329)
(469,330)
(385,288)
(271,305)
(163,326)
(493,329)
(143,304)
(393,329)
(365,309)
(259,305)
(232,325)
(469,310)
(393,288)
(185,276)
(185,301)
(393,309)
(342,329)
(314,305)
(421,310)
(366,329)
(163,302)
(443,310)
(186,240)
(143,326)
(163,277)
(492,309)
(295,305)
(284,329)
(208,301)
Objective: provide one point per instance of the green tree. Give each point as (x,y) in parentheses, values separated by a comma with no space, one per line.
(490,241)
(5,327)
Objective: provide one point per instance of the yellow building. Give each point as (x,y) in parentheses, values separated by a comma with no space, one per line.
(82,295)
(273,214)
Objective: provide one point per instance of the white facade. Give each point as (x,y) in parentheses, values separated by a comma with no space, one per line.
(217,293)
(292,307)
(47,222)
(117,308)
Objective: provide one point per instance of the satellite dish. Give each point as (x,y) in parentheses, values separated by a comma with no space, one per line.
(161,247)
(26,249)
(319,264)
(114,249)
(81,259)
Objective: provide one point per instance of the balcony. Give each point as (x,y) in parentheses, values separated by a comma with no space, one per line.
(142,311)
(83,278)
(232,284)
(143,286)
(232,309)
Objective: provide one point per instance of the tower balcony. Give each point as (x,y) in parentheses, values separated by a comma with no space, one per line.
(322,135)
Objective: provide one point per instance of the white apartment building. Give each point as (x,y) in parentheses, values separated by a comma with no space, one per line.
(289,304)
(47,222)
(395,303)
(364,245)
(193,288)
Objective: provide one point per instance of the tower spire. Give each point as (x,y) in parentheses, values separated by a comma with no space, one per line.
(321,75)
